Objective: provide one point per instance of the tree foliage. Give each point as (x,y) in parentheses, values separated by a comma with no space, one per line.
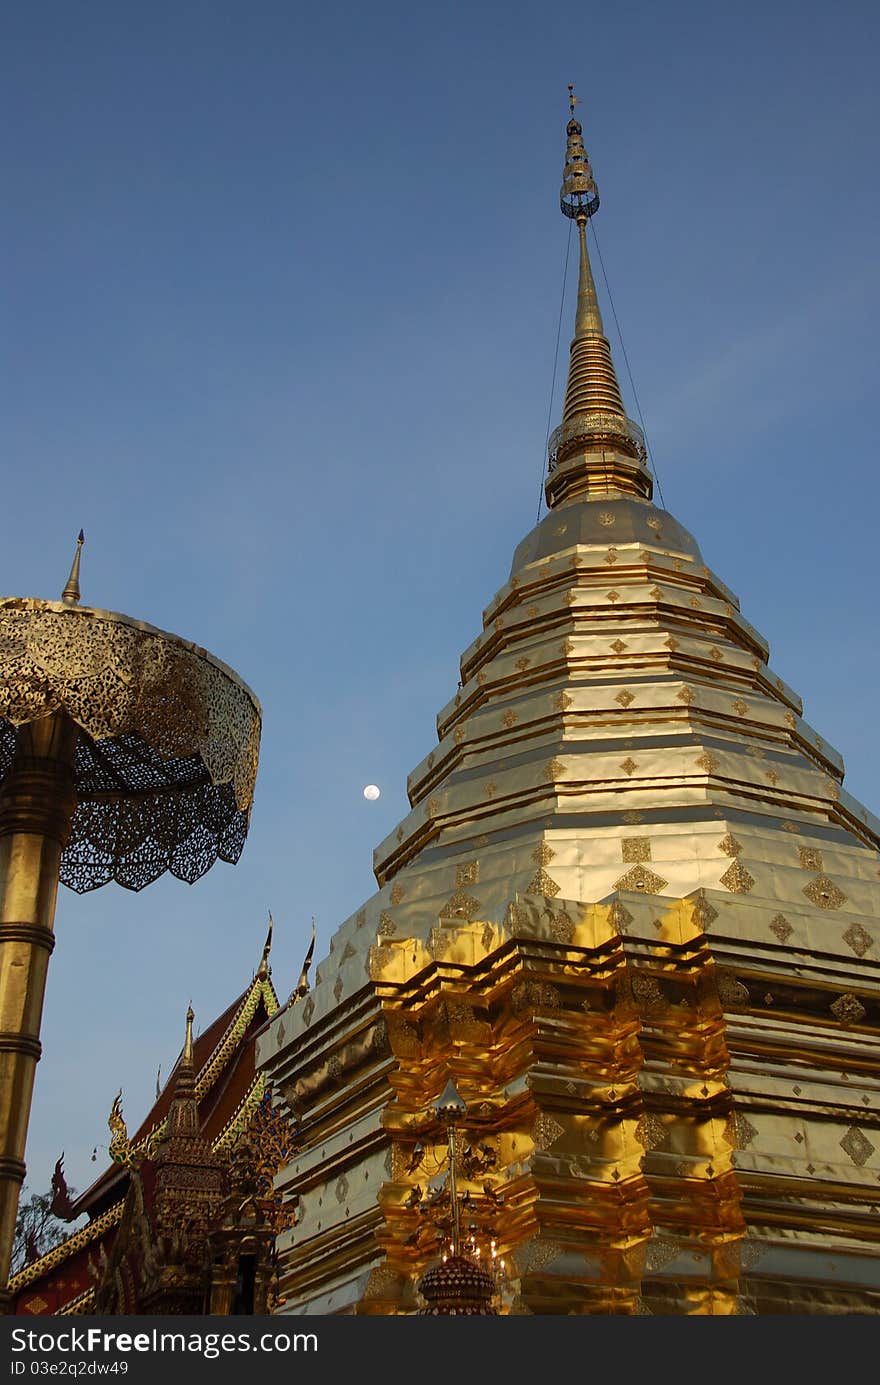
(37,1229)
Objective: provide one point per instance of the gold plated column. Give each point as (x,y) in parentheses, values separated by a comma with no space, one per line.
(37,801)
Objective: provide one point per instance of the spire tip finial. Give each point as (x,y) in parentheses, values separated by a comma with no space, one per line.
(579,196)
(264,969)
(70,595)
(188,1042)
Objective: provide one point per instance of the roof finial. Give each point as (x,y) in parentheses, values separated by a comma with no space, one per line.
(119,1148)
(70,595)
(264,969)
(572,99)
(183,1114)
(302,986)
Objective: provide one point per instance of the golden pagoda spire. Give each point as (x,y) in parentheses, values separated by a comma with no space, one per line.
(597,450)
(70,595)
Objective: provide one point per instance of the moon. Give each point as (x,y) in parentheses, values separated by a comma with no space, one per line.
(372,792)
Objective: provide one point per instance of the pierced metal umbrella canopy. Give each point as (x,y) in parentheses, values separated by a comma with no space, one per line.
(125,752)
(166,756)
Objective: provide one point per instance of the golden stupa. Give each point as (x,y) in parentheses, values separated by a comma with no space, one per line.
(633,916)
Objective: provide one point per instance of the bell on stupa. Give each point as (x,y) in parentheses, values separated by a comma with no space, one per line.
(632,916)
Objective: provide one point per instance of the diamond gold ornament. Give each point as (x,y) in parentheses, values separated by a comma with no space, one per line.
(857,1146)
(641,879)
(468,873)
(729,845)
(848,1009)
(824,893)
(460,905)
(541,883)
(546,1131)
(810,858)
(858,938)
(737,879)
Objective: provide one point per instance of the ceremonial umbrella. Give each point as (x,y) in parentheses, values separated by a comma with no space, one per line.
(125,752)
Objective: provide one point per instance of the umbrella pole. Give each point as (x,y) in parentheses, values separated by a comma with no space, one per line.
(37,801)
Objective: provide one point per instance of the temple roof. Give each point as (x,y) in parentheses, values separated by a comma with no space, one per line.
(227,1090)
(224,1065)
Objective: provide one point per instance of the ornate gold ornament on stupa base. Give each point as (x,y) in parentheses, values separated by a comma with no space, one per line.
(633,915)
(125,752)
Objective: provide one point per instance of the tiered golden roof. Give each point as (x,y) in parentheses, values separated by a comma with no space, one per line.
(633,913)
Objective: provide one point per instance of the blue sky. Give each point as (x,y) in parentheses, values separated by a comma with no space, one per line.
(280,297)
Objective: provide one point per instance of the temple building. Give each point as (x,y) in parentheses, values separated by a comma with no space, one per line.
(184,1218)
(632,917)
